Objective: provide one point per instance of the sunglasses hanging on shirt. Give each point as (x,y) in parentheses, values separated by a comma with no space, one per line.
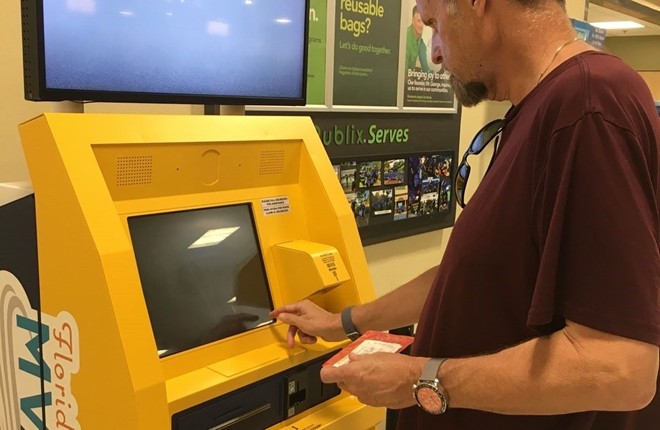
(488,133)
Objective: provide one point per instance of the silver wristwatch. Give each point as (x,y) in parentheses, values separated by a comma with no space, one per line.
(429,394)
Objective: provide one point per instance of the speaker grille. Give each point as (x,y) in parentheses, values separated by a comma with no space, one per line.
(272,163)
(134,170)
(26,25)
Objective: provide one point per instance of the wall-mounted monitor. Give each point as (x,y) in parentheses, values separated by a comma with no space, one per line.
(202,275)
(167,51)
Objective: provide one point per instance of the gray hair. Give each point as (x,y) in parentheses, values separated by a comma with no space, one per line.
(532,3)
(451,4)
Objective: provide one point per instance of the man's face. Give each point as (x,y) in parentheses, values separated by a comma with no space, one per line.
(453,47)
(417,25)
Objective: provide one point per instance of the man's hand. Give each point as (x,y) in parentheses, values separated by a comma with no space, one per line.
(379,379)
(309,321)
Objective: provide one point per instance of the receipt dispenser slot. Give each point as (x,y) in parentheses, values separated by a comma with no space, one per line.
(262,404)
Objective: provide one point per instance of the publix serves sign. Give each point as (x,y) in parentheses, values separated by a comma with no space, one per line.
(352,135)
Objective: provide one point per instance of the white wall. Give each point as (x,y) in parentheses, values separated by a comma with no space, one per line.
(642,53)
(13,108)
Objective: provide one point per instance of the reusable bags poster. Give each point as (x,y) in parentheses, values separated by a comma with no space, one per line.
(366,52)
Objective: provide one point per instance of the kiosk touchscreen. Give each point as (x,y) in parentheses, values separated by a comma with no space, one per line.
(202,275)
(163,244)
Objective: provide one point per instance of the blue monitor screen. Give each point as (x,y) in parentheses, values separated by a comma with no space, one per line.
(202,275)
(242,49)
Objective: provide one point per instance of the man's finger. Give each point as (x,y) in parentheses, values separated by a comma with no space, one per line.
(330,374)
(291,308)
(288,318)
(291,336)
(356,357)
(306,338)
(277,311)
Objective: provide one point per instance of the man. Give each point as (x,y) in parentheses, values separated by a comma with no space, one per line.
(546,303)
(415,47)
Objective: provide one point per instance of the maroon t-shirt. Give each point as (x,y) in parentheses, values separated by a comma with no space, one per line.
(565,226)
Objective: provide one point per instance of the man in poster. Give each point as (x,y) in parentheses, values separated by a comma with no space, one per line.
(425,85)
(416,54)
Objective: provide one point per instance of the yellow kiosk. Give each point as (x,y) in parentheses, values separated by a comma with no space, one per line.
(163,243)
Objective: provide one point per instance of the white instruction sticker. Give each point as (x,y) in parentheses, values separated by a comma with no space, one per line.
(276,205)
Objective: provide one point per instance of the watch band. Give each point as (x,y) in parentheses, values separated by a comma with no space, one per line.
(347,323)
(428,392)
(431,369)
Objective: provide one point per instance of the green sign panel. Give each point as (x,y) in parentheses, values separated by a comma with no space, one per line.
(366,52)
(318,22)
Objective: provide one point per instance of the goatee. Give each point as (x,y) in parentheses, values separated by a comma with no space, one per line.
(469,94)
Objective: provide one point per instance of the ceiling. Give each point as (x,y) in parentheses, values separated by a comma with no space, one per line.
(645,12)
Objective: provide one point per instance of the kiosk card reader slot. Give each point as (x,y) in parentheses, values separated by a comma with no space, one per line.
(305,388)
(308,268)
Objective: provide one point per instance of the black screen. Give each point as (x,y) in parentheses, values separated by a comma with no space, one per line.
(171,50)
(202,275)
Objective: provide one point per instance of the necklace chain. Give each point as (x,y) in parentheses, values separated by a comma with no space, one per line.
(554,57)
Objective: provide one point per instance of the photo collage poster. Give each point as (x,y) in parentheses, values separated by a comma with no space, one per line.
(397,189)
(395,169)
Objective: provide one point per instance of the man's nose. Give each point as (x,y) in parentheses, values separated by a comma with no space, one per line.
(436,50)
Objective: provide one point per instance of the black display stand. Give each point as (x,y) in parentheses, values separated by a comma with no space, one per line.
(396,169)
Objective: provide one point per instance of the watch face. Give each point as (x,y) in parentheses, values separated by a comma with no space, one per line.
(430,400)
